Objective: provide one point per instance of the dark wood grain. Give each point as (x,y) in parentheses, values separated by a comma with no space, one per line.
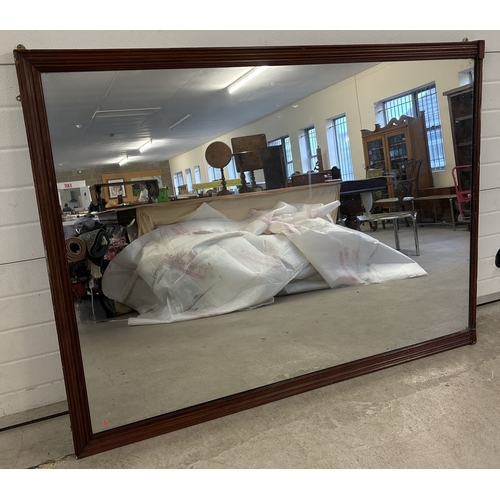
(30,64)
(476,154)
(53,237)
(72,60)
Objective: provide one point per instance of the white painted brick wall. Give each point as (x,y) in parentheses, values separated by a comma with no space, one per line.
(30,367)
(489,199)
(30,371)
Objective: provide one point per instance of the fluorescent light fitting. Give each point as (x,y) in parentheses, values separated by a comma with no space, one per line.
(146,146)
(124,113)
(122,162)
(245,78)
(179,122)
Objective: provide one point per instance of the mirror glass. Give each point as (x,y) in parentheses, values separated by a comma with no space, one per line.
(136,371)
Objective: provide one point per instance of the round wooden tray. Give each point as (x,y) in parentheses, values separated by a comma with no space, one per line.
(218,154)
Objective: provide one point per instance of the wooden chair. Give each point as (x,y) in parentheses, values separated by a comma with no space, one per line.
(395,209)
(405,185)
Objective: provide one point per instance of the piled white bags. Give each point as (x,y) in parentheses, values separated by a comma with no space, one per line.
(210,265)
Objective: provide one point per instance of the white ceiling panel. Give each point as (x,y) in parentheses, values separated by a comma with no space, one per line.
(98,118)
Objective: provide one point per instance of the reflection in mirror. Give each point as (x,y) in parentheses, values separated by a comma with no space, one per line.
(142,297)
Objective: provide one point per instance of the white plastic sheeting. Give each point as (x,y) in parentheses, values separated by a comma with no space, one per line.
(209,264)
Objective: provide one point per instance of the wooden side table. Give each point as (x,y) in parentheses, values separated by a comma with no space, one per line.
(434,198)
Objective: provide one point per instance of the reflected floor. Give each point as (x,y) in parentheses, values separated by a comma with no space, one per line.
(134,373)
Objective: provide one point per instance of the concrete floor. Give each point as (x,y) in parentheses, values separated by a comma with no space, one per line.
(134,373)
(437,412)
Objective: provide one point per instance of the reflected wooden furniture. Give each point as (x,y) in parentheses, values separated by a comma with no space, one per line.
(248,158)
(121,217)
(351,204)
(390,146)
(151,216)
(462,180)
(404,189)
(434,199)
(309,178)
(218,155)
(273,164)
(252,153)
(235,207)
(404,183)
(461,107)
(151,185)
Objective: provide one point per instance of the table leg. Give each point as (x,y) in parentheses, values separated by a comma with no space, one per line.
(395,224)
(452,214)
(415,233)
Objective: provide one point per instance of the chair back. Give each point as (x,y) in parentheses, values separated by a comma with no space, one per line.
(377,172)
(407,185)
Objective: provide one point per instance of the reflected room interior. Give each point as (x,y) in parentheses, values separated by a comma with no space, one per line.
(329,125)
(244,246)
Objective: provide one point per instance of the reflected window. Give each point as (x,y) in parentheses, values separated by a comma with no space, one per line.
(231,170)
(197,175)
(189,179)
(411,104)
(284,142)
(178,181)
(311,145)
(339,147)
(212,174)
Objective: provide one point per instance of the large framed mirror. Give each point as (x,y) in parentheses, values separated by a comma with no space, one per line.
(136,375)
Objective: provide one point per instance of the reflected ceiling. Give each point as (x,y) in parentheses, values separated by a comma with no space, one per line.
(98,118)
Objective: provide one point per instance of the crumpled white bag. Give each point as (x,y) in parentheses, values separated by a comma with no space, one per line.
(210,265)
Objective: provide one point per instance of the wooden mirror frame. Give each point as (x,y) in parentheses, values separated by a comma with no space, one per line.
(30,65)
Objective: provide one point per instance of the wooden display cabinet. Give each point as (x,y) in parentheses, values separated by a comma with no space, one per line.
(460,104)
(387,148)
